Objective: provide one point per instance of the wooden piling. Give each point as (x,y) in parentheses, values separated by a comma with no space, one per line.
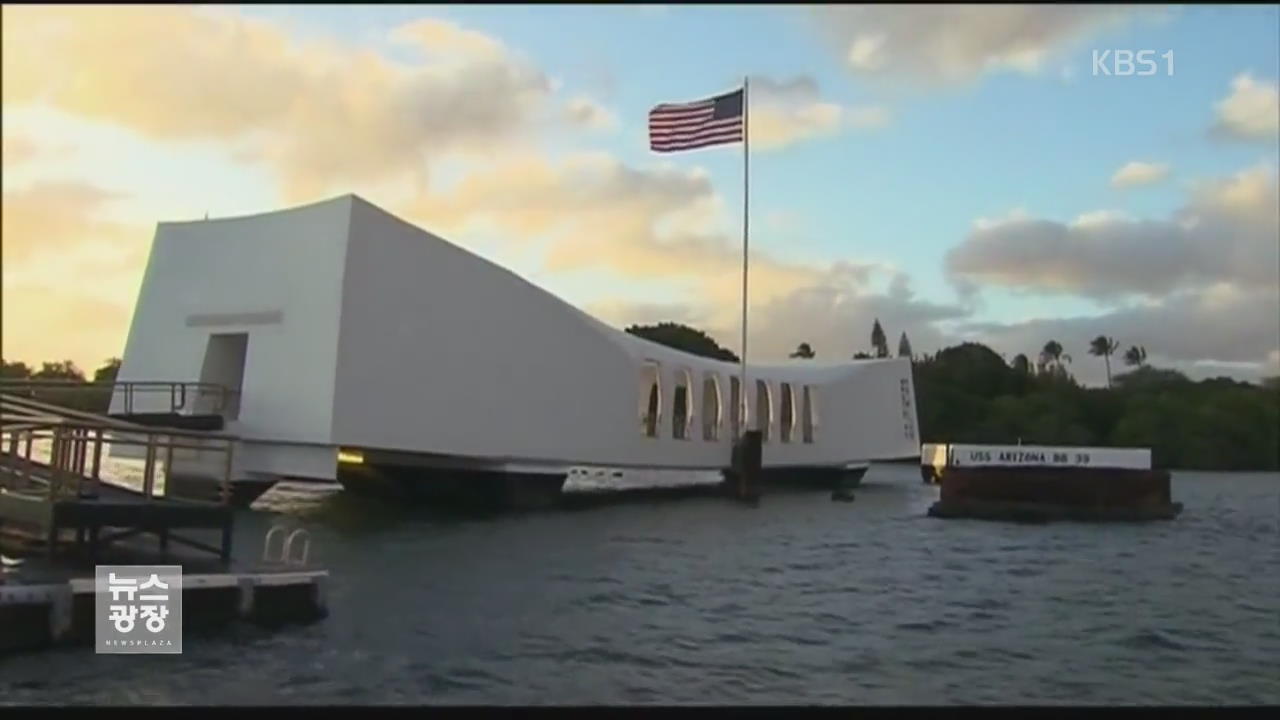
(748,454)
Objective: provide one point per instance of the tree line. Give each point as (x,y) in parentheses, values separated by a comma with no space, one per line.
(968,393)
(97,400)
(1051,360)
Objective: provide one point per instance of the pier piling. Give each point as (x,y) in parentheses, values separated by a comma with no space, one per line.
(745,474)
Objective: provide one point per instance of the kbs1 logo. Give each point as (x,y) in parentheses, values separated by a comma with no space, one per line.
(139,609)
(1123,63)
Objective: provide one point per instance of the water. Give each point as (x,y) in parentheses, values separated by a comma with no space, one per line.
(704,601)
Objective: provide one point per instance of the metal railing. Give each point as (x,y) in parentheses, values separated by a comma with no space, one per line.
(105,393)
(286,556)
(77,441)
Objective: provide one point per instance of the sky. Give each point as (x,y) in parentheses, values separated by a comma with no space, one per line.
(961,173)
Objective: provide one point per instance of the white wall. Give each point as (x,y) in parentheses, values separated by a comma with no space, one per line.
(276,277)
(441,351)
(444,352)
(866,411)
(859,411)
(366,331)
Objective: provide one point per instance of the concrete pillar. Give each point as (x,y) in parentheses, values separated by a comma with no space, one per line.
(60,613)
(244,607)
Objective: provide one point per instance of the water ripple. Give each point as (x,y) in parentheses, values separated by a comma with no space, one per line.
(704,602)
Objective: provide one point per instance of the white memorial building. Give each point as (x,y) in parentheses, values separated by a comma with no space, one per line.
(353,341)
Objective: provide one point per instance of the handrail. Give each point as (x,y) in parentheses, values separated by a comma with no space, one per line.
(287,551)
(266,543)
(286,546)
(79,437)
(114,440)
(79,418)
(177,389)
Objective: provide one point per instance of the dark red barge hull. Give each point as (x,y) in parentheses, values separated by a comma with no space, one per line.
(1032,494)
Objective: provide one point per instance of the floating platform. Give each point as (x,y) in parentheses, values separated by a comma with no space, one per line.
(44,604)
(1043,483)
(181,421)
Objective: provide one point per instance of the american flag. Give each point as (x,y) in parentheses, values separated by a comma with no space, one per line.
(688,126)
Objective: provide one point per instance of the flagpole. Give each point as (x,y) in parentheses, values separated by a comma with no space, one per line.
(746,199)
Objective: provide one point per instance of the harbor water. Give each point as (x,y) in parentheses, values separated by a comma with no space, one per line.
(706,601)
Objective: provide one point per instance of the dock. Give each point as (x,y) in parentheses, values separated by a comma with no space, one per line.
(46,604)
(183,411)
(46,500)
(59,518)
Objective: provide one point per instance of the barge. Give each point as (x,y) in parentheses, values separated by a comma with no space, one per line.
(1036,483)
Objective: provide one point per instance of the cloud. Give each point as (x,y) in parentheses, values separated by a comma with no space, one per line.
(1206,280)
(321,114)
(597,213)
(1250,112)
(790,111)
(30,312)
(835,318)
(70,273)
(1220,330)
(783,222)
(1226,232)
(587,113)
(868,116)
(592,213)
(18,150)
(1139,173)
(444,40)
(52,218)
(325,116)
(624,314)
(948,44)
(21,150)
(833,313)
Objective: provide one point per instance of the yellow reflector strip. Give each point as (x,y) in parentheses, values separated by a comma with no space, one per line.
(350,456)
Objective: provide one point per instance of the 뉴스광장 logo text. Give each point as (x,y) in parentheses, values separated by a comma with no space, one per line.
(138,609)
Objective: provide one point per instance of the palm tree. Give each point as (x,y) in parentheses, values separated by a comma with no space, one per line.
(1135,356)
(1103,346)
(1021,364)
(803,351)
(1052,357)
